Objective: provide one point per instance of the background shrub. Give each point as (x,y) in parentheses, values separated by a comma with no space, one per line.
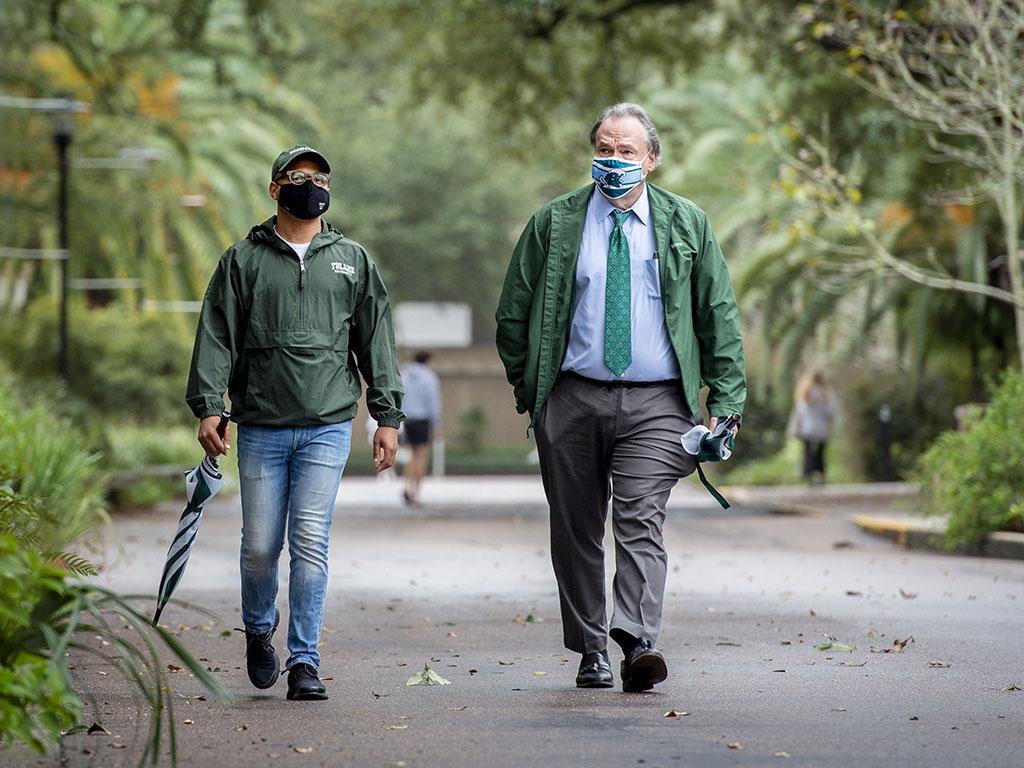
(976,477)
(124,363)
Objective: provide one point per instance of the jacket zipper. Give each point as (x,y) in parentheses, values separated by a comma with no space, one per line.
(302,284)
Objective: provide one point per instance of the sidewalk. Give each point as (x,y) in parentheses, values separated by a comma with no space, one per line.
(485,496)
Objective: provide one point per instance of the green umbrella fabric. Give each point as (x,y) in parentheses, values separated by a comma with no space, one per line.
(706,445)
(201,484)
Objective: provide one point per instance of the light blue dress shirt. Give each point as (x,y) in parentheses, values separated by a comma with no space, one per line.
(653,357)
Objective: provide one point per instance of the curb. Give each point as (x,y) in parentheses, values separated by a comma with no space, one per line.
(925,534)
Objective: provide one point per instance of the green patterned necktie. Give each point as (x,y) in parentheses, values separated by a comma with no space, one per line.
(618,346)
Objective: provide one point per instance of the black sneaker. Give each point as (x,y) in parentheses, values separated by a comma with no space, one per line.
(643,668)
(304,684)
(261,661)
(595,671)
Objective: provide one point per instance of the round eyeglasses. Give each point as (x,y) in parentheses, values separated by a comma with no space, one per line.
(319,178)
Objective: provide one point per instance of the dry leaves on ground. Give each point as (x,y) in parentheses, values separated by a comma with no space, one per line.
(833,644)
(427,677)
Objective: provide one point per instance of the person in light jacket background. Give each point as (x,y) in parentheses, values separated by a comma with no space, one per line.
(814,420)
(422,405)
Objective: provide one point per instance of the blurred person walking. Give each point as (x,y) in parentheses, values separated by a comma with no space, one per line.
(422,405)
(814,417)
(616,307)
(294,314)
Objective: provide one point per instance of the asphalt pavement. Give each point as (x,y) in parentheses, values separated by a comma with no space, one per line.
(933,681)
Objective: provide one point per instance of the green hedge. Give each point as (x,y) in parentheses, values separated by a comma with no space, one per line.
(124,363)
(976,477)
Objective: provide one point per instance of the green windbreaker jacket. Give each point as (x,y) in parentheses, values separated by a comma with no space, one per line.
(535,310)
(288,339)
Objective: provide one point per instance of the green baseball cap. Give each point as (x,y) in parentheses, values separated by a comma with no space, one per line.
(289,156)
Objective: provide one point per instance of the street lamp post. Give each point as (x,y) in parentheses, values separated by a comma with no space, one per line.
(63,109)
(63,131)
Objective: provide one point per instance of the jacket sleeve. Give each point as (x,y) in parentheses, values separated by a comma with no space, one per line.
(218,341)
(716,319)
(372,341)
(513,313)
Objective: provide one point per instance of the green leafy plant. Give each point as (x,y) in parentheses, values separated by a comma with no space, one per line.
(974,477)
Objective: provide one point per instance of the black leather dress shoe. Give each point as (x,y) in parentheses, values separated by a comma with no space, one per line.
(595,671)
(643,668)
(304,684)
(261,661)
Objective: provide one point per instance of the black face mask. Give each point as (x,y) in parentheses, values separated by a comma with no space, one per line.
(305,200)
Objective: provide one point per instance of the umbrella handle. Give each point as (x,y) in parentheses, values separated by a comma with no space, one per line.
(225,416)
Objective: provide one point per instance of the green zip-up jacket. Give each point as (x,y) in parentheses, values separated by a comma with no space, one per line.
(289,339)
(535,310)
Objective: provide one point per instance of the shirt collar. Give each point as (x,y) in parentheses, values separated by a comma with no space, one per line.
(603,208)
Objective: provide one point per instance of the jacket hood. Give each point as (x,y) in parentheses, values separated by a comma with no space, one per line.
(264,233)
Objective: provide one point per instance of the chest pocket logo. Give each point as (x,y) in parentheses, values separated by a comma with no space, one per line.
(343,269)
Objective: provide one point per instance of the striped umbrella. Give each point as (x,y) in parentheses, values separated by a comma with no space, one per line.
(201,485)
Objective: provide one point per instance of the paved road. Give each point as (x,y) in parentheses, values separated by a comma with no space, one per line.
(749,595)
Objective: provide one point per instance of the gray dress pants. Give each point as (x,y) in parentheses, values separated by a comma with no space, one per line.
(599,441)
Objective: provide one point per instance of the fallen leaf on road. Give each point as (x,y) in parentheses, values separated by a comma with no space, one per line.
(473,671)
(226,633)
(778,670)
(675,713)
(914,717)
(1013,687)
(538,674)
(734,745)
(190,722)
(118,745)
(908,595)
(853,593)
(174,668)
(813,612)
(505,663)
(97,728)
(458,709)
(427,677)
(395,727)
(242,727)
(303,750)
(897,646)
(782,754)
(838,709)
(452,634)
(401,663)
(104,674)
(940,664)
(851,664)
(785,642)
(833,644)
(727,642)
(844,544)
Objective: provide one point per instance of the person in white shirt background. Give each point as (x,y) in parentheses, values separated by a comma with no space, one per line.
(422,406)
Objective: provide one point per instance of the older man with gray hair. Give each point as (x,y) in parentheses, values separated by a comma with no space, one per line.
(617,307)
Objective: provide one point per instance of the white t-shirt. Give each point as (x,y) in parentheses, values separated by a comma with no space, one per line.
(299,248)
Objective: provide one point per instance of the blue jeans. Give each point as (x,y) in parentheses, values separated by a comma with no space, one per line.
(289,477)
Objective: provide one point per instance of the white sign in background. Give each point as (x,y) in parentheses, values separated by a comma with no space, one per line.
(433,324)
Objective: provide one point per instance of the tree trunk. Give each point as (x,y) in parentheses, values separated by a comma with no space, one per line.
(1011,228)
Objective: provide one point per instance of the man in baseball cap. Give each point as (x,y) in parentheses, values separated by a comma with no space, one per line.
(296,317)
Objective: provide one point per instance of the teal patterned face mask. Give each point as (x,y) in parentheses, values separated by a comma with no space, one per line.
(616,177)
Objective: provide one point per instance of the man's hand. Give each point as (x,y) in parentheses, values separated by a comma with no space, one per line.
(212,442)
(713,422)
(385,446)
